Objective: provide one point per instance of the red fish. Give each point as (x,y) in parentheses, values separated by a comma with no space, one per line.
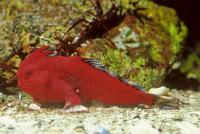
(74,80)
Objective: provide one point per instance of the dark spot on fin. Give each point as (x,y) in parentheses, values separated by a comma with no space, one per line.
(97,64)
(28,74)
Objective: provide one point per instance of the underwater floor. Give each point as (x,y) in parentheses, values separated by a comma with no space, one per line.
(112,120)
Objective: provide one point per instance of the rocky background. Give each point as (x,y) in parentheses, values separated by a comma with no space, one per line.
(142,48)
(145,47)
(189,63)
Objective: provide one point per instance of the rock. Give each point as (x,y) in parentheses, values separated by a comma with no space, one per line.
(76,108)
(160,91)
(147,48)
(192,97)
(34,107)
(143,127)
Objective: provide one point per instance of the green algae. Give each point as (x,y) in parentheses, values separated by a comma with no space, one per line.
(177,36)
(120,62)
(191,66)
(168,20)
(149,48)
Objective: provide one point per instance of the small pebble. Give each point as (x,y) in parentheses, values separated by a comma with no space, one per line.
(192,97)
(160,91)
(1,95)
(77,108)
(34,107)
(100,130)
(84,45)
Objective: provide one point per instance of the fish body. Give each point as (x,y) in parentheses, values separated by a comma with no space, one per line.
(72,80)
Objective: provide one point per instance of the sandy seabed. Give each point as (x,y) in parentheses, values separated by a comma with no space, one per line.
(110,120)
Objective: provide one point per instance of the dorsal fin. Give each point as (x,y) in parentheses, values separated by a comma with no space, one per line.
(97,64)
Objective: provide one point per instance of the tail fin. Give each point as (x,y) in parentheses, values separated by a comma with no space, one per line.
(165,102)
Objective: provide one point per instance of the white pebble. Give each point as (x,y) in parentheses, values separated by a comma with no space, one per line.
(160,91)
(34,107)
(99,130)
(84,45)
(76,108)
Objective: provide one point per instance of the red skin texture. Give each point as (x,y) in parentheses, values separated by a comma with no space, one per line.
(72,81)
